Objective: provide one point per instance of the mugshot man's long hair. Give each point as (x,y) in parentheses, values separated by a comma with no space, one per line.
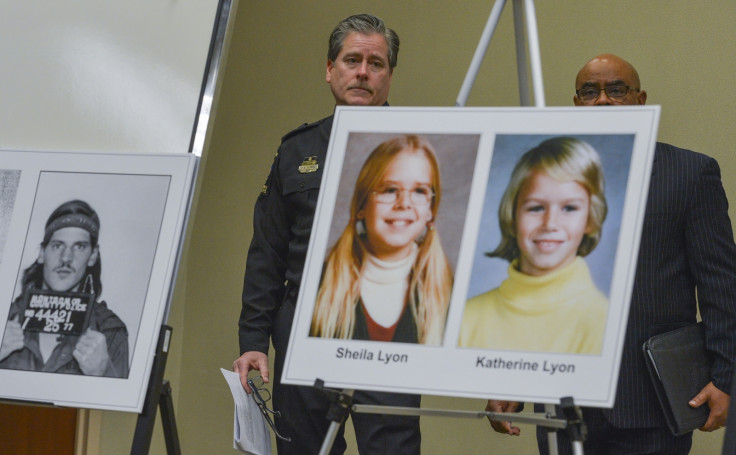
(430,279)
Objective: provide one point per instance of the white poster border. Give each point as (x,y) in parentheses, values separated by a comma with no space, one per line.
(448,370)
(166,221)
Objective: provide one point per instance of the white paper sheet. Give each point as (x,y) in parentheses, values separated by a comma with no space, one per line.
(250,430)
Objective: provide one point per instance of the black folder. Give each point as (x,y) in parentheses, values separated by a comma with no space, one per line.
(679,367)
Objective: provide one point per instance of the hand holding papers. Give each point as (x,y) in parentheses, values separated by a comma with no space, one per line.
(250,433)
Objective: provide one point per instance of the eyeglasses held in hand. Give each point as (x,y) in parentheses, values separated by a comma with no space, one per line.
(612,91)
(258,392)
(419,195)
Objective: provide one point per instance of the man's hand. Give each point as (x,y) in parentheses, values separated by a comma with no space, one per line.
(503,406)
(251,360)
(91,353)
(13,339)
(717,402)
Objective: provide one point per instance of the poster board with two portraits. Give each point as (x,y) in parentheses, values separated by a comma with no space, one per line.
(531,215)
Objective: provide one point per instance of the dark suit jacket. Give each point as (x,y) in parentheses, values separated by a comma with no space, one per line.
(687,247)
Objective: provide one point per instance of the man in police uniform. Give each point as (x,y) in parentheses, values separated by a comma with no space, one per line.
(360,61)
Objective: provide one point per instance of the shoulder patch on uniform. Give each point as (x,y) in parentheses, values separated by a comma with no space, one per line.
(265,188)
(301,129)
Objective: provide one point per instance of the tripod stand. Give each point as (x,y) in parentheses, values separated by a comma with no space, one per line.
(342,404)
(524,13)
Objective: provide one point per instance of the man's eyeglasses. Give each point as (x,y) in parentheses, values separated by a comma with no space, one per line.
(612,91)
(419,195)
(258,393)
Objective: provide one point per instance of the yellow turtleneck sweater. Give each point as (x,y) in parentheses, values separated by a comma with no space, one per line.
(562,311)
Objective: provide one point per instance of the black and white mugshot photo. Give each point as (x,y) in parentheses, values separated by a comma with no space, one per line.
(84,274)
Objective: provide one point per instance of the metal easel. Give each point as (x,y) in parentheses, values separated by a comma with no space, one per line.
(520,7)
(523,9)
(341,401)
(159,392)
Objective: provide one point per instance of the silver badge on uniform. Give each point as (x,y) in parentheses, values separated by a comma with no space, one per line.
(309,165)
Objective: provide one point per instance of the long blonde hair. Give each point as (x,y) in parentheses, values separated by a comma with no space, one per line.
(430,279)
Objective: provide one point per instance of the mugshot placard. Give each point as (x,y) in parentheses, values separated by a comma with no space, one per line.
(90,249)
(61,313)
(499,243)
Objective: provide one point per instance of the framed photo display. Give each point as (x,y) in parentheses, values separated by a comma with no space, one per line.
(474,252)
(89,246)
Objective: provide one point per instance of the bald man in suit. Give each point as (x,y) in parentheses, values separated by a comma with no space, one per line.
(687,248)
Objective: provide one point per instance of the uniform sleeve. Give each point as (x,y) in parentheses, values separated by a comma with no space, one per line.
(263,284)
(712,256)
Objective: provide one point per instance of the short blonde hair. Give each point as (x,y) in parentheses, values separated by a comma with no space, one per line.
(565,159)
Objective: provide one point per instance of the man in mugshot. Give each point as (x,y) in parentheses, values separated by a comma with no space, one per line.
(57,324)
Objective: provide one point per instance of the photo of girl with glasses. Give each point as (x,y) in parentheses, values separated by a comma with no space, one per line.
(550,216)
(387,277)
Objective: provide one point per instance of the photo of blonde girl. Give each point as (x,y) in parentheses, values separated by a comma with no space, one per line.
(551,216)
(387,277)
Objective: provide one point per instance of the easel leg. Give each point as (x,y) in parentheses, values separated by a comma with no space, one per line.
(522,69)
(480,53)
(337,414)
(168,420)
(549,409)
(329,438)
(529,13)
(534,54)
(576,428)
(147,417)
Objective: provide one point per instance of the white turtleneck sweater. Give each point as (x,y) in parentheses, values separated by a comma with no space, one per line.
(384,286)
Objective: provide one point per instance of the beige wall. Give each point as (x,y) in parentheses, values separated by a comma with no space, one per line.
(274,81)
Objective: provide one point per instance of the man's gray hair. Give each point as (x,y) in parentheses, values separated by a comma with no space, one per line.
(366,24)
